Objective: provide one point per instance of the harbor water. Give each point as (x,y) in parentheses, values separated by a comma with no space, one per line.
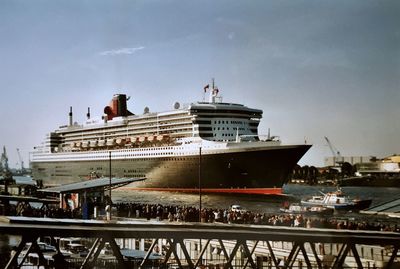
(255,203)
(269,204)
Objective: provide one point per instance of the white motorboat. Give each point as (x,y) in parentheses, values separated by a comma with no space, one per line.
(337,200)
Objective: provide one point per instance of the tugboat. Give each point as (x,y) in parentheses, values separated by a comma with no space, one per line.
(337,200)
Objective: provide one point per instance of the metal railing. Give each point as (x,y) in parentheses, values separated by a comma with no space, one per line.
(210,245)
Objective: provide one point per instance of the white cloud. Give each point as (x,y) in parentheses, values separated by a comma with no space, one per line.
(120,51)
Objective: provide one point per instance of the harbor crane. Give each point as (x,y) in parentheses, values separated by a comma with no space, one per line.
(4,159)
(21,161)
(335,152)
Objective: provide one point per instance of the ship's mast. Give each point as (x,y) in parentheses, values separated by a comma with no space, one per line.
(213,95)
(211,99)
(214,92)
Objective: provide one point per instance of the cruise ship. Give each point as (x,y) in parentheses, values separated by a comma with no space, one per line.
(210,145)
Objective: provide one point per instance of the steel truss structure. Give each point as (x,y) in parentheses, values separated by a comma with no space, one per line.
(243,237)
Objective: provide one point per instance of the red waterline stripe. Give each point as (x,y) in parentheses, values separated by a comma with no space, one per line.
(275,191)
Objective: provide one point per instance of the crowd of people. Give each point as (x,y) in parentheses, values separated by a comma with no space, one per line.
(181,213)
(208,215)
(26,210)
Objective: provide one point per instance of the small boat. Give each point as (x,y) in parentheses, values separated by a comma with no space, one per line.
(306,210)
(337,200)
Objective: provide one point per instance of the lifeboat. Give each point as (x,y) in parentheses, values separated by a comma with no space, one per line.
(85,144)
(120,141)
(135,140)
(72,144)
(110,142)
(101,143)
(128,141)
(79,144)
(152,138)
(142,138)
(93,144)
(162,137)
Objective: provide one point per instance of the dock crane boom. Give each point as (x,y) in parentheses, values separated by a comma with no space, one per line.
(21,161)
(334,150)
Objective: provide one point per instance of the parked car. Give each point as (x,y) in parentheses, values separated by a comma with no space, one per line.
(237,208)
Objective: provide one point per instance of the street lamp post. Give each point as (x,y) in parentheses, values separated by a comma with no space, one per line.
(200,184)
(200,247)
(110,201)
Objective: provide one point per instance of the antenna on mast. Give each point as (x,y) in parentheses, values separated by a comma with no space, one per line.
(213,92)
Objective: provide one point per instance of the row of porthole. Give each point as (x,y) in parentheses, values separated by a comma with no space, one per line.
(227,122)
(164,159)
(227,128)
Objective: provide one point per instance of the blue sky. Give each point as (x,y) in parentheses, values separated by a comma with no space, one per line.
(316,68)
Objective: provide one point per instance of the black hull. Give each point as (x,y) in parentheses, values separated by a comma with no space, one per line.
(363,204)
(244,172)
(358,205)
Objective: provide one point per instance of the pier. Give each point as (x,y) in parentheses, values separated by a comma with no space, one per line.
(192,245)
